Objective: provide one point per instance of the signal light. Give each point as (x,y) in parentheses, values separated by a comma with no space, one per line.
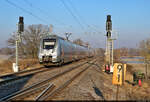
(108,18)
(108,34)
(108,23)
(20,24)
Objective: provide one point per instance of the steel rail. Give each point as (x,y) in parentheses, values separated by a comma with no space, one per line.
(44,91)
(20,72)
(13,76)
(23,92)
(64,85)
(32,90)
(21,77)
(12,96)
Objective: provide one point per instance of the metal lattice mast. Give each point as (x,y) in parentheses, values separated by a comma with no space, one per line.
(109,46)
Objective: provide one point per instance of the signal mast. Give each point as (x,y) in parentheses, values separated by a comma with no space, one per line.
(109,43)
(18,39)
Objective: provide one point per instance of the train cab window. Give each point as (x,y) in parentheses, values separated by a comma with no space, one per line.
(49,43)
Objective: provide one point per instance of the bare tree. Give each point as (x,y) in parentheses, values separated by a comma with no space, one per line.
(124,51)
(78,41)
(120,52)
(6,51)
(29,45)
(99,52)
(117,54)
(144,47)
(133,52)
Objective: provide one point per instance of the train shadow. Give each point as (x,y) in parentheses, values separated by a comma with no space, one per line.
(7,88)
(97,90)
(57,66)
(64,64)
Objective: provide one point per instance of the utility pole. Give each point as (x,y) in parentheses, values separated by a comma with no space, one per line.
(51,28)
(18,39)
(112,51)
(146,68)
(112,55)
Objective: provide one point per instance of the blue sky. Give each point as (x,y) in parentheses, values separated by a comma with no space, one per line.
(129,19)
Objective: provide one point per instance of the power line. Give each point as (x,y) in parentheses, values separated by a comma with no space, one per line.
(82,17)
(77,12)
(43,12)
(27,2)
(92,27)
(30,13)
(75,18)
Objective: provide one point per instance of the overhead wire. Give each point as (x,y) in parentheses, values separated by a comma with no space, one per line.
(27,2)
(26,11)
(30,13)
(43,12)
(81,18)
(72,14)
(83,21)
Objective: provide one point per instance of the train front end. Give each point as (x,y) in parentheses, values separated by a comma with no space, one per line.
(48,50)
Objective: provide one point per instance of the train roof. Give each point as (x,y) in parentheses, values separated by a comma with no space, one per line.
(52,35)
(56,36)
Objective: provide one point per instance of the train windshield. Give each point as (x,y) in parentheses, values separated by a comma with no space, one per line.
(49,43)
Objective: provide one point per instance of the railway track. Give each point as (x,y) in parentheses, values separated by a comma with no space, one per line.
(43,85)
(11,75)
(57,90)
(6,79)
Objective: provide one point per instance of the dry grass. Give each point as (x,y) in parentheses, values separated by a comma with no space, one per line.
(130,69)
(6,65)
(137,93)
(25,63)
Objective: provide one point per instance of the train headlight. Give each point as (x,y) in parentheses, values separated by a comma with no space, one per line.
(40,56)
(54,56)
